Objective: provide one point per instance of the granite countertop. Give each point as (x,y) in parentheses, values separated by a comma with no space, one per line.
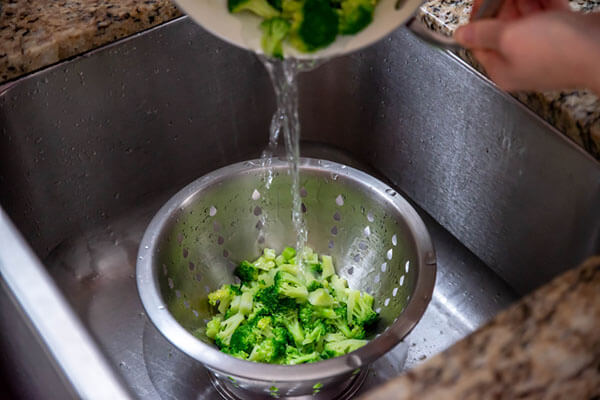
(547,346)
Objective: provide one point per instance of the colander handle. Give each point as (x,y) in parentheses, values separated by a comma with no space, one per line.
(488,9)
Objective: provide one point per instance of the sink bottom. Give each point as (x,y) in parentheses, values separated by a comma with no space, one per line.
(96,272)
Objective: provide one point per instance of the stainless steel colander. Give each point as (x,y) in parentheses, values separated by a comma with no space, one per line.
(377,240)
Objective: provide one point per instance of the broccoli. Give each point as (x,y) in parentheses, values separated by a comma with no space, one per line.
(288,253)
(318,331)
(316,268)
(339,348)
(355,15)
(327,265)
(243,339)
(269,299)
(223,297)
(266,351)
(262,8)
(212,328)
(320,297)
(360,308)
(290,286)
(314,285)
(313,27)
(289,319)
(287,313)
(228,327)
(246,272)
(264,264)
(293,356)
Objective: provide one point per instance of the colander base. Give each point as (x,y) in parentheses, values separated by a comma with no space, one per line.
(347,393)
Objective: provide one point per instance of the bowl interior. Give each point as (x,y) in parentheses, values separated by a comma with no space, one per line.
(236,216)
(243,29)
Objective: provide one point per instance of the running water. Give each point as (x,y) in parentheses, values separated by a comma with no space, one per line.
(284,76)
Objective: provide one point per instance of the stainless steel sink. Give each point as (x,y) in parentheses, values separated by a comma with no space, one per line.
(91,147)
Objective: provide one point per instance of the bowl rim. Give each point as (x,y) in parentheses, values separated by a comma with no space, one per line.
(177,335)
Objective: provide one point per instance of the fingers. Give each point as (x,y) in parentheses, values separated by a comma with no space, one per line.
(482,35)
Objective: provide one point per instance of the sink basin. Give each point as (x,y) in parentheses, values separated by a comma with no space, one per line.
(91,148)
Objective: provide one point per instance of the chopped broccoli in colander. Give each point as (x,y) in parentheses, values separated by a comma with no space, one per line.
(284,313)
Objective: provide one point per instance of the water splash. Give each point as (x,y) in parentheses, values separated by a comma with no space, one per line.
(284,77)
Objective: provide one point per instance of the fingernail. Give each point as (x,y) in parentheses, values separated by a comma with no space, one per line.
(464,35)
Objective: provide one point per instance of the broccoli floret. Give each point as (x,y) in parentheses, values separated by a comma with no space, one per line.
(266,351)
(355,15)
(320,297)
(228,327)
(293,356)
(338,286)
(261,8)
(288,253)
(306,315)
(339,348)
(264,264)
(314,285)
(313,336)
(289,319)
(315,268)
(360,308)
(269,298)
(243,339)
(246,272)
(223,296)
(269,254)
(212,328)
(327,265)
(290,286)
(314,27)
(245,303)
(276,4)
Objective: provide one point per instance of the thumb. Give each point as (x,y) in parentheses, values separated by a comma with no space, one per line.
(482,34)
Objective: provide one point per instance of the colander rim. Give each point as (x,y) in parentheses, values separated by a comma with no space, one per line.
(177,335)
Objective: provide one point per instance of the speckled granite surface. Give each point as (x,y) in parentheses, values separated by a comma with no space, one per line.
(37,33)
(575,113)
(547,346)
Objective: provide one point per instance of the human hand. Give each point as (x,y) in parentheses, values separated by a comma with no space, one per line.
(536,45)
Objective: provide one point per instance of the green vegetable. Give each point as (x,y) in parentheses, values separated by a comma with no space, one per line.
(246,272)
(262,8)
(289,314)
(308,25)
(355,15)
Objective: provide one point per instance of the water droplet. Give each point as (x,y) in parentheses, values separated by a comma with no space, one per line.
(367,231)
(255,195)
(390,254)
(339,200)
(370,217)
(212,211)
(401,282)
(394,240)
(383,267)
